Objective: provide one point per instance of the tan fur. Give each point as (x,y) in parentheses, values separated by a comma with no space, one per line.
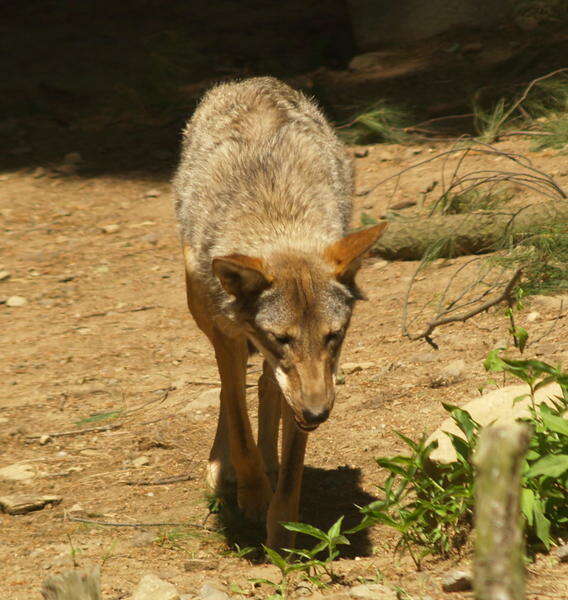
(263,200)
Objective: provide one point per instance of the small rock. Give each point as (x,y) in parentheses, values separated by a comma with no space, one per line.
(16,301)
(372,591)
(44,439)
(361,153)
(212,591)
(19,504)
(457,581)
(112,228)
(150,238)
(18,472)
(353,367)
(141,461)
(561,553)
(152,587)
(207,399)
(451,373)
(533,316)
(152,194)
(5,275)
(72,158)
(425,357)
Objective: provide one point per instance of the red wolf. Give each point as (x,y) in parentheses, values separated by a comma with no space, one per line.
(263,198)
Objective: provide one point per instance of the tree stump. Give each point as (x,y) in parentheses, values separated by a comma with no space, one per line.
(499,571)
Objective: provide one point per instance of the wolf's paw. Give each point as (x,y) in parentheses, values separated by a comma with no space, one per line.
(254,498)
(220,478)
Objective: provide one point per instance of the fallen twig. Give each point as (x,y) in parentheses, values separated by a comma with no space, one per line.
(163,481)
(56,434)
(111,524)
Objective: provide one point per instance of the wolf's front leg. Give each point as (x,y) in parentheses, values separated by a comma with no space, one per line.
(285,503)
(270,400)
(253,488)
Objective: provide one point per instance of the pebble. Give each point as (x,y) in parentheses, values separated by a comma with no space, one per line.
(14,301)
(207,399)
(353,367)
(18,472)
(451,373)
(457,581)
(561,553)
(4,275)
(141,461)
(533,316)
(112,228)
(372,591)
(152,587)
(212,591)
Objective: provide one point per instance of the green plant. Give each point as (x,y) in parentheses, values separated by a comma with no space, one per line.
(489,123)
(471,200)
(306,561)
(431,506)
(380,122)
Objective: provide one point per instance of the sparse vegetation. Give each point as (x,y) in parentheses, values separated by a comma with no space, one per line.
(380,122)
(471,200)
(431,506)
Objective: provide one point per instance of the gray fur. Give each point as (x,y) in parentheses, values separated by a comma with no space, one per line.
(261,172)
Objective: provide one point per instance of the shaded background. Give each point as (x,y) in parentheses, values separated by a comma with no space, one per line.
(116,80)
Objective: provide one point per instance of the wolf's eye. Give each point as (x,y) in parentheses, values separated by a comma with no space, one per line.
(283,339)
(333,337)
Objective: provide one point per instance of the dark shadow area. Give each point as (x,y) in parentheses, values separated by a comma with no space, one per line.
(326,495)
(115,81)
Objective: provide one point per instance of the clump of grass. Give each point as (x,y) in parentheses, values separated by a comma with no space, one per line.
(489,123)
(543,257)
(380,122)
(555,134)
(472,200)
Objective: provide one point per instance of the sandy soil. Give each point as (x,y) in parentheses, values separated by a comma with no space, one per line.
(105,330)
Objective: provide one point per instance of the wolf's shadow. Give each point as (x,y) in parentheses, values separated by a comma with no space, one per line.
(327,494)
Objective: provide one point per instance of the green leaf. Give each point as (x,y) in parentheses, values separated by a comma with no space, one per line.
(307,529)
(335,529)
(99,417)
(528,500)
(463,421)
(542,525)
(554,423)
(521,336)
(552,465)
(276,559)
(494,362)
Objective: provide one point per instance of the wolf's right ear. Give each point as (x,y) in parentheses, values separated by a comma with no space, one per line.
(241,275)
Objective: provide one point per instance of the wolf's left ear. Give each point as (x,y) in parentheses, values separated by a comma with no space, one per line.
(241,276)
(347,253)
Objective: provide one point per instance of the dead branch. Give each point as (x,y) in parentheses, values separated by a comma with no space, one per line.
(442,318)
(57,434)
(163,481)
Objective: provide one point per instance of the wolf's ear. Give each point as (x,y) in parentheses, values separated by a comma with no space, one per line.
(347,253)
(241,275)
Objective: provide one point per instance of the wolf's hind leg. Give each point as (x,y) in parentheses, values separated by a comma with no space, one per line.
(253,487)
(269,400)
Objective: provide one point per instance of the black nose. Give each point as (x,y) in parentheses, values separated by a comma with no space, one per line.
(315,416)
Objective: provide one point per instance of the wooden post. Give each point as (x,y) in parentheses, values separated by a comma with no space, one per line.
(73,585)
(499,572)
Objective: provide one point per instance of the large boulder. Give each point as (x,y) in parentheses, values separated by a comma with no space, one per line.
(498,407)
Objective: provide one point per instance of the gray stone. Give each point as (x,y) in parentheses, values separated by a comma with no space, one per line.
(372,591)
(211,590)
(15,301)
(19,504)
(152,587)
(457,581)
(497,407)
(18,472)
(451,373)
(207,399)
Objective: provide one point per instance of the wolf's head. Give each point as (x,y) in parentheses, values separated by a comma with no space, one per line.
(295,307)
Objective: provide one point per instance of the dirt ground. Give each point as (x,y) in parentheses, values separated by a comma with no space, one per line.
(105,330)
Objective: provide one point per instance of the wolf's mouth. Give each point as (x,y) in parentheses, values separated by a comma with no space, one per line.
(306,428)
